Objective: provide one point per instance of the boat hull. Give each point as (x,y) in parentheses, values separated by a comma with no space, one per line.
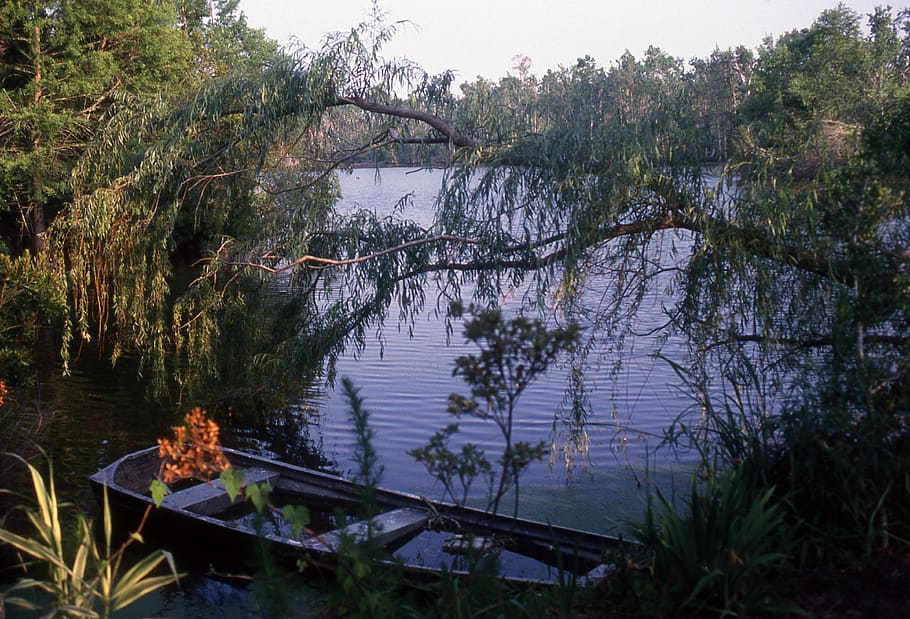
(201,520)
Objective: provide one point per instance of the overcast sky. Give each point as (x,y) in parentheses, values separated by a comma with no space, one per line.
(481,37)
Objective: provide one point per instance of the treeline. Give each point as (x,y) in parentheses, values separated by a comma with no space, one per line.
(66,68)
(835,71)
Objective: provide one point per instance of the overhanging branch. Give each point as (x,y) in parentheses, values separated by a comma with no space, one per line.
(454,137)
(331,262)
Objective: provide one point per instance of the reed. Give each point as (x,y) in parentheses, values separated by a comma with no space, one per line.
(720,556)
(90,581)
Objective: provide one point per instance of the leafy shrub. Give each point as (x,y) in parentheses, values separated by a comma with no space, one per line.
(847,479)
(513,354)
(30,299)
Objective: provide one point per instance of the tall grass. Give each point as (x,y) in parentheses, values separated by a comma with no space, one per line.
(719,555)
(88,581)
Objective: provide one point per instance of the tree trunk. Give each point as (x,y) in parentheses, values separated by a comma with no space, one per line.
(38,227)
(35,224)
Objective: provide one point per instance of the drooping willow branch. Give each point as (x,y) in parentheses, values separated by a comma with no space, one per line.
(820,342)
(792,256)
(332,262)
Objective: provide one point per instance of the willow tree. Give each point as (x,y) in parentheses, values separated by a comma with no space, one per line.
(790,262)
(219,176)
(789,268)
(65,68)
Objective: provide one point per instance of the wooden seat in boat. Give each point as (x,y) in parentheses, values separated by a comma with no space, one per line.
(387,528)
(209,498)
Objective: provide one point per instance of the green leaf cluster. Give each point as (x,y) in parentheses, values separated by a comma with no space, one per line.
(31,299)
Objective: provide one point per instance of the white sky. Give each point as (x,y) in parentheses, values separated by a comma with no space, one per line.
(480,37)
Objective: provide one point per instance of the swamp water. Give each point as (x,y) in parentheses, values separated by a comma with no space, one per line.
(99,414)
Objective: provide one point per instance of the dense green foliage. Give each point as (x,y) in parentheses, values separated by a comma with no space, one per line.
(67,70)
(63,66)
(30,299)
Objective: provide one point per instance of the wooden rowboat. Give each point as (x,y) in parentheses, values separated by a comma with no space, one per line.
(424,537)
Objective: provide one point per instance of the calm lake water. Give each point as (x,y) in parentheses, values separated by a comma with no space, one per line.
(99,414)
(406,381)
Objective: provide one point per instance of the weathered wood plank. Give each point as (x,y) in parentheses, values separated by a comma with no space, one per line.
(468,545)
(388,528)
(210,498)
(318,494)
